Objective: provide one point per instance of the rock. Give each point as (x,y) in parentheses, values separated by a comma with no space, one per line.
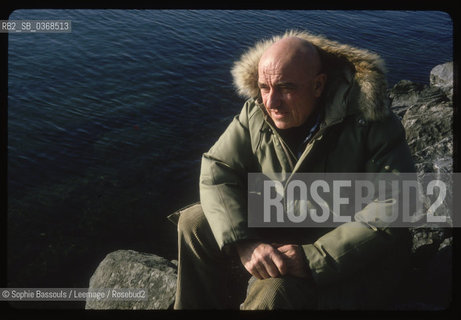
(405,93)
(427,116)
(428,122)
(442,77)
(429,133)
(128,269)
(447,242)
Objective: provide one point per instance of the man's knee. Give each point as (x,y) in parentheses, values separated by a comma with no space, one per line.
(194,230)
(192,220)
(280,293)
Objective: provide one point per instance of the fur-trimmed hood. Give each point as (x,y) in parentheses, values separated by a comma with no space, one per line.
(362,69)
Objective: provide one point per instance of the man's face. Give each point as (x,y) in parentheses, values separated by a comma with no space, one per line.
(289,90)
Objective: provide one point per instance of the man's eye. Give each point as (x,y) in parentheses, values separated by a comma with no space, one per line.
(264,89)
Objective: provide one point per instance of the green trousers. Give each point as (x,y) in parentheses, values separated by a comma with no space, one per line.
(205,278)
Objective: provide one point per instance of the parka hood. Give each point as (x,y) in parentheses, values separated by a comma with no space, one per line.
(362,70)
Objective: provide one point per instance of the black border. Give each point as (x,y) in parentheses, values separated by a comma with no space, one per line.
(7,8)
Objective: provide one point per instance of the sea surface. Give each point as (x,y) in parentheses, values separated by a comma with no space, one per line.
(107,123)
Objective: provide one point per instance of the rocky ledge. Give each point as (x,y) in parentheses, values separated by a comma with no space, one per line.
(426,112)
(130,269)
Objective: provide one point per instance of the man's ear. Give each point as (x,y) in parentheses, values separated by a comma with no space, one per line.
(319,84)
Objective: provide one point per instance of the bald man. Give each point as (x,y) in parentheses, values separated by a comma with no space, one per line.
(290,83)
(305,112)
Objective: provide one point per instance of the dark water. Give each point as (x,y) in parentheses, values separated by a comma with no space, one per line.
(106,125)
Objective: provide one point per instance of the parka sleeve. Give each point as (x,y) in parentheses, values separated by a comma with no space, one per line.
(353,246)
(223,181)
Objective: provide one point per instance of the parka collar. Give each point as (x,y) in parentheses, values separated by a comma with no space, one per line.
(356,77)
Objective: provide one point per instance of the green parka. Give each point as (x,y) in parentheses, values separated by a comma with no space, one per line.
(358,134)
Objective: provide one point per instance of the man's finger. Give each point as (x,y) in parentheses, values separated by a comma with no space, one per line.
(271,267)
(279,263)
(285,247)
(262,271)
(254,272)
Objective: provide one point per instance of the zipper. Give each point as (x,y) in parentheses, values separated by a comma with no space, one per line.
(311,143)
(288,153)
(303,156)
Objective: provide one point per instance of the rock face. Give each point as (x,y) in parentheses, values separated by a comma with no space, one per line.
(126,269)
(427,114)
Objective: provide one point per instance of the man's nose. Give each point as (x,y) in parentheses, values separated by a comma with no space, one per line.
(273,99)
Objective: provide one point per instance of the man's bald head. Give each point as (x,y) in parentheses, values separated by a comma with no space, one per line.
(293,51)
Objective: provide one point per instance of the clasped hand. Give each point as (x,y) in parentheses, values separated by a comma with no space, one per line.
(264,260)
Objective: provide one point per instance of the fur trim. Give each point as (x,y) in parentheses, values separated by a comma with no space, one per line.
(370,72)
